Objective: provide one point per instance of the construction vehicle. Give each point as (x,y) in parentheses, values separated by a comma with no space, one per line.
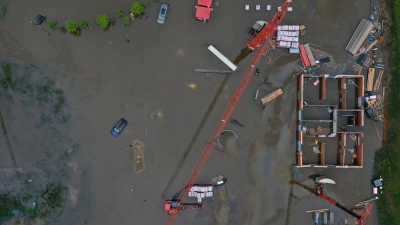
(174,205)
(359,215)
(261,39)
(269,29)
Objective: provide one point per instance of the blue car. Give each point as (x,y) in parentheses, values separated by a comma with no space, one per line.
(116,130)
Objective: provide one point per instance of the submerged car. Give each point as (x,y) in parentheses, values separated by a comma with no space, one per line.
(116,130)
(162,15)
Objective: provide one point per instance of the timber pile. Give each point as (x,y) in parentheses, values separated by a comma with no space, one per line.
(302,30)
(271,96)
(378,81)
(371,74)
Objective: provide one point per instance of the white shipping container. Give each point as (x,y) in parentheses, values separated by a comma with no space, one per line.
(295,45)
(289,28)
(284,44)
(292,33)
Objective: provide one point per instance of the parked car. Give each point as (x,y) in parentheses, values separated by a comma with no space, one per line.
(369,112)
(162,15)
(116,130)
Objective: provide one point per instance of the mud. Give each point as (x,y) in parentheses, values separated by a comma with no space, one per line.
(138,147)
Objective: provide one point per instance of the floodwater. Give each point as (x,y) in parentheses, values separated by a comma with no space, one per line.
(150,82)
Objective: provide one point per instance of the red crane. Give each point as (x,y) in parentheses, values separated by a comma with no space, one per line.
(262,38)
(359,215)
(270,28)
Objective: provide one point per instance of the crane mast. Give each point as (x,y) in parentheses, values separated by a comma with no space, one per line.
(262,39)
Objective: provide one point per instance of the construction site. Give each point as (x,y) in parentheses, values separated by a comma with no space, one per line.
(274,121)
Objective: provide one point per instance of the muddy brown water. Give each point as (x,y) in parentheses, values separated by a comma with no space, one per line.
(150,82)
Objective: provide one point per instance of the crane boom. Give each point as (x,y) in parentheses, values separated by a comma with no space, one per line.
(270,27)
(266,34)
(359,215)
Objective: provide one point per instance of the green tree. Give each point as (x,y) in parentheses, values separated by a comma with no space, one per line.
(103,21)
(120,13)
(71,26)
(138,9)
(127,20)
(53,25)
(84,25)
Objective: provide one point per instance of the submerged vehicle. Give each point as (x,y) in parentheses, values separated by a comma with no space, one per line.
(162,15)
(117,129)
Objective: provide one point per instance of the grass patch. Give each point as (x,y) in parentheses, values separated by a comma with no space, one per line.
(44,204)
(3,11)
(387,159)
(18,84)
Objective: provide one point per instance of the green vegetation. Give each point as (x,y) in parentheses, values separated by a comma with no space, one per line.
(45,204)
(387,159)
(84,25)
(103,21)
(53,25)
(138,9)
(120,13)
(72,27)
(158,1)
(3,11)
(127,20)
(43,92)
(62,29)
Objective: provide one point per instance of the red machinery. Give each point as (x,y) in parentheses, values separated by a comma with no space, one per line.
(270,28)
(174,205)
(359,215)
(203,10)
(263,38)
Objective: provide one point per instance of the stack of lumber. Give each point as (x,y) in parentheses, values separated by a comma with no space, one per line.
(371,74)
(378,81)
(271,96)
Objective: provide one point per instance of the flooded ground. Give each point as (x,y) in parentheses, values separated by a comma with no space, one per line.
(150,82)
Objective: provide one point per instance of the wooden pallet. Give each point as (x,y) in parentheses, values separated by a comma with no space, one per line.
(272,43)
(378,81)
(271,96)
(371,75)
